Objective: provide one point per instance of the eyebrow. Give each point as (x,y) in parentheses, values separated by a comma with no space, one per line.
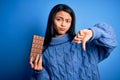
(62,17)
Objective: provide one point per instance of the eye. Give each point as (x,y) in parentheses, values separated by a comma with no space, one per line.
(58,19)
(68,21)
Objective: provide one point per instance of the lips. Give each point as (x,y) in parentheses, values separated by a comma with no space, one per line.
(62,29)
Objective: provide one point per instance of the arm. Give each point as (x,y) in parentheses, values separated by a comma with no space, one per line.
(39,70)
(104,38)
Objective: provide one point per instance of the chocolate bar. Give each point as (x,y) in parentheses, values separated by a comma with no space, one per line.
(37,45)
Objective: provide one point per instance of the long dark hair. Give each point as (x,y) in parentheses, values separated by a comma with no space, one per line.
(50,31)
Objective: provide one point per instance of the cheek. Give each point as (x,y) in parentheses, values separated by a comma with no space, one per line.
(69,25)
(56,24)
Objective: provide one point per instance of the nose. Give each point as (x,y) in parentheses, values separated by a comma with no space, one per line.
(63,24)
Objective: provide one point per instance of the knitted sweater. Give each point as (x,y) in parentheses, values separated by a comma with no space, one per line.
(65,60)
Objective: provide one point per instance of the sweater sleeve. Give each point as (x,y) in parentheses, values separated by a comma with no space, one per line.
(41,75)
(104,39)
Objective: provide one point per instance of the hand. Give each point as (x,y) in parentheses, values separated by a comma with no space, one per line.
(82,37)
(36,62)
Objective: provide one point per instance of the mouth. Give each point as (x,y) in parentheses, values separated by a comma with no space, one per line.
(62,29)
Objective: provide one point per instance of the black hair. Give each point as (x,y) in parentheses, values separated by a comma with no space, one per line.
(50,31)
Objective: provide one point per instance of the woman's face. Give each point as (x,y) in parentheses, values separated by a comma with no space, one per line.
(62,23)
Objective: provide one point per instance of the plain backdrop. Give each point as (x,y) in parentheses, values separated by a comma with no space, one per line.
(21,19)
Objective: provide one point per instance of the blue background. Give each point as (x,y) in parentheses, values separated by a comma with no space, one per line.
(21,19)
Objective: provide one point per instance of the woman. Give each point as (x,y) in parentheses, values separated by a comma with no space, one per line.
(70,56)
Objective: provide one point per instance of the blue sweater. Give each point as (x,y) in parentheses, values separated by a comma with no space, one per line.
(65,60)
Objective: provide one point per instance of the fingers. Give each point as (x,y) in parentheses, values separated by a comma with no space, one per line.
(40,64)
(81,40)
(36,62)
(31,62)
(88,35)
(82,37)
(78,38)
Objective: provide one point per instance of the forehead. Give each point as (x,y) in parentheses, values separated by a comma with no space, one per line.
(63,14)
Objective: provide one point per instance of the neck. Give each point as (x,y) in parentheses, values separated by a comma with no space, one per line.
(58,35)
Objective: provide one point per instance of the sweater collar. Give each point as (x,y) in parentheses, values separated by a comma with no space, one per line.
(59,40)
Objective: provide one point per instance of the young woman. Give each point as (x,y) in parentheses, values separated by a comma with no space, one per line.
(70,56)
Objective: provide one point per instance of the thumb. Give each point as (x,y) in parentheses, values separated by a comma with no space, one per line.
(84,44)
(40,63)
(84,40)
(88,35)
